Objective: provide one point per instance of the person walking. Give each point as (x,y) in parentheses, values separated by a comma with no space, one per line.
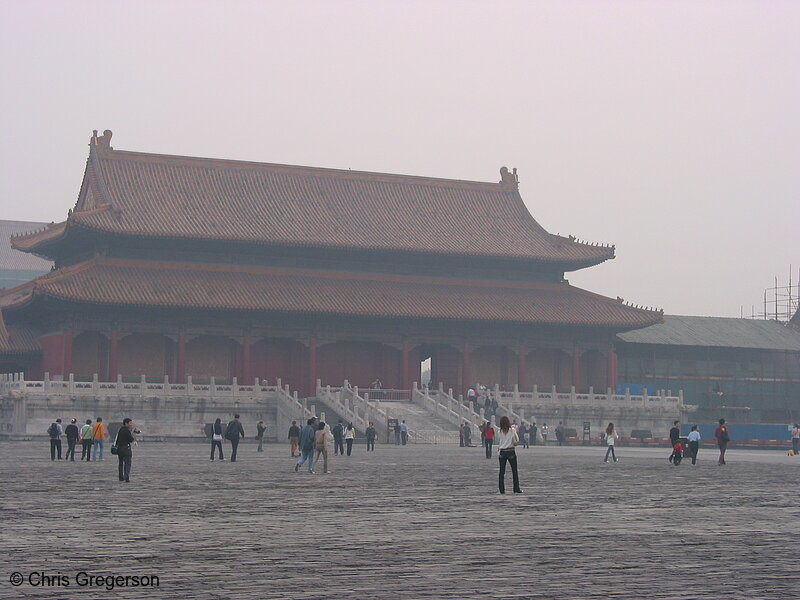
(72,434)
(294,438)
(403,434)
(524,433)
(533,430)
(349,437)
(467,435)
(338,437)
(321,445)
(397,434)
(507,439)
(216,438)
(694,443)
(371,435)
(795,439)
(55,432)
(674,436)
(262,429)
(234,432)
(125,438)
(86,440)
(545,433)
(98,438)
(611,437)
(307,441)
(461,435)
(488,433)
(723,437)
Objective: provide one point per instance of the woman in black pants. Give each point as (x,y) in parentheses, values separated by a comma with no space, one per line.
(216,438)
(506,439)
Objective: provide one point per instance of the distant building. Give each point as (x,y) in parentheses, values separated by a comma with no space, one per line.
(741,369)
(19,267)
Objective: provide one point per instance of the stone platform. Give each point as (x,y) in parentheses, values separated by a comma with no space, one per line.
(409,522)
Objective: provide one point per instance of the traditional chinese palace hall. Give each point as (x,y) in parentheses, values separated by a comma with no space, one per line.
(177,266)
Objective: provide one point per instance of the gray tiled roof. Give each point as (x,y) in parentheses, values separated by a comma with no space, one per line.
(15,260)
(717,332)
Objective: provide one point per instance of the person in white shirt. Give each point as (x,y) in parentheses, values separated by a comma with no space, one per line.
(796,439)
(694,443)
(506,439)
(611,436)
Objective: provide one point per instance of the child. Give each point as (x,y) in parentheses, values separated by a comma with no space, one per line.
(677,454)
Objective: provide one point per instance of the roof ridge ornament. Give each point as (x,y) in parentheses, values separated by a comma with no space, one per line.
(509,178)
(103,141)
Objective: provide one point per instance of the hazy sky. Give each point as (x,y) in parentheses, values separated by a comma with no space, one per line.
(670,129)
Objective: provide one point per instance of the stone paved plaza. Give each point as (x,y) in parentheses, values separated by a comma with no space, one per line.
(403,522)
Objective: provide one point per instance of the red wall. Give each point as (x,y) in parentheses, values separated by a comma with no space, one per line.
(360,363)
(53,355)
(281,358)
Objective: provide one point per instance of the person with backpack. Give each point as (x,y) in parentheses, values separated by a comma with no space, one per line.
(72,434)
(234,433)
(338,437)
(55,432)
(260,436)
(98,437)
(307,442)
(86,440)
(216,438)
(723,437)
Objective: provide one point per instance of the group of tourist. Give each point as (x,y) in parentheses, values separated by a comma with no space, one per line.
(91,436)
(314,439)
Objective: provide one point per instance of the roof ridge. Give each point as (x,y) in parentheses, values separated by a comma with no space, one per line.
(298,169)
(322,273)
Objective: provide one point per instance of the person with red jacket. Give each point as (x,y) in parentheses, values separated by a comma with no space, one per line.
(723,437)
(488,436)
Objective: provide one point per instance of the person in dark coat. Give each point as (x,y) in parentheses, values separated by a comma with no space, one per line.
(124,443)
(674,436)
(71,432)
(234,432)
(371,436)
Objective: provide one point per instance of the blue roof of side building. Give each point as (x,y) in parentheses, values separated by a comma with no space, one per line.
(18,267)
(719,332)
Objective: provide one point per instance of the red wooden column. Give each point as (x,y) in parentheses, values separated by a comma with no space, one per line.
(181,366)
(312,367)
(405,384)
(521,367)
(611,369)
(113,355)
(67,337)
(465,374)
(576,368)
(247,369)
